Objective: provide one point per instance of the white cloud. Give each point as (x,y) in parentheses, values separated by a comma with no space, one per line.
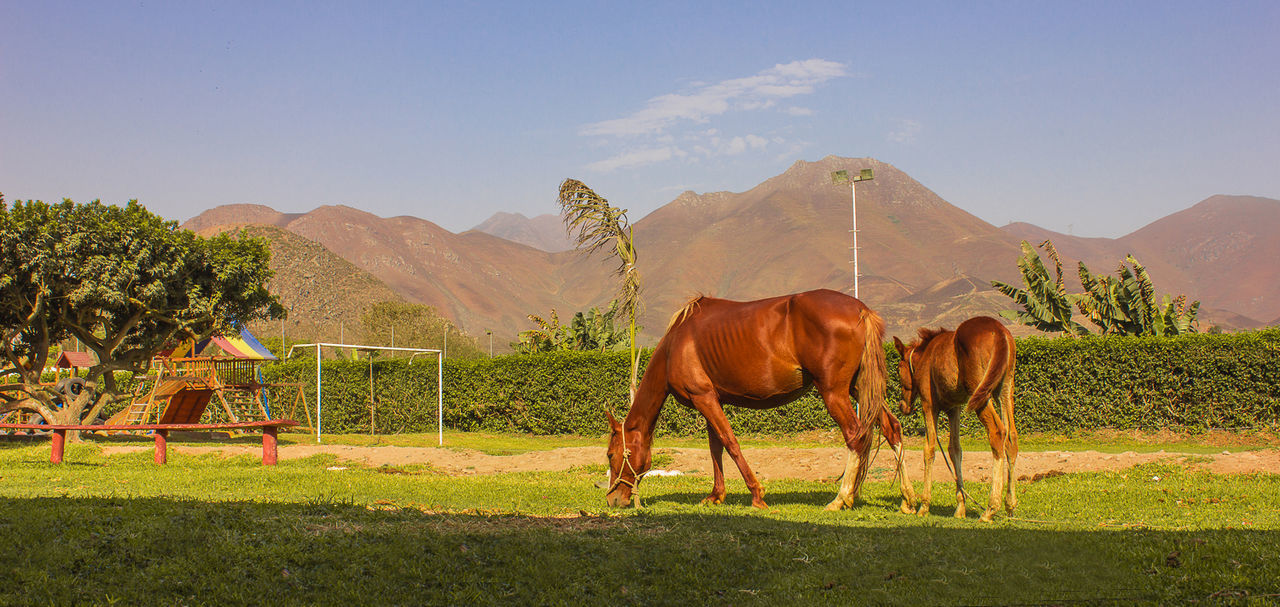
(906,132)
(761,91)
(636,158)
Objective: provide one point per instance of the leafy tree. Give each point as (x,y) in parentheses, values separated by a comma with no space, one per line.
(590,331)
(1045,302)
(1125,304)
(411,325)
(600,225)
(123,281)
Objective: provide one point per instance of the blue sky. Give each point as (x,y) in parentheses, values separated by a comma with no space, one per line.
(1092,118)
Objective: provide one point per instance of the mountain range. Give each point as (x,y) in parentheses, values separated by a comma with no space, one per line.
(923,261)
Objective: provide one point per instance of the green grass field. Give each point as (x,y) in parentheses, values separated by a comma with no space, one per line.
(209,530)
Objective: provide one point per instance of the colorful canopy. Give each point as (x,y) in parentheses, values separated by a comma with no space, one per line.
(245,347)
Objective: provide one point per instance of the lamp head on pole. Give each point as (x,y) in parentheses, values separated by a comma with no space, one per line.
(842,176)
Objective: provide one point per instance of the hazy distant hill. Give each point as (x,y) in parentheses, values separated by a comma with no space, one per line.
(791,233)
(479,281)
(924,261)
(324,293)
(545,232)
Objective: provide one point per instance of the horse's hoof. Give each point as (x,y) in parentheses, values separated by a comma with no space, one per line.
(987,516)
(837,504)
(713,500)
(758,503)
(960,513)
(906,509)
(922,511)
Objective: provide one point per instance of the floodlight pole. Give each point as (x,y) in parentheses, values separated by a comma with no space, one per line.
(842,177)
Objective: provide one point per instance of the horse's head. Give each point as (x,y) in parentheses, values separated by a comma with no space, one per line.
(906,373)
(628,461)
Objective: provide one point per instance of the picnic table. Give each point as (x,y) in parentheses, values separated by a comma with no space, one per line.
(270,428)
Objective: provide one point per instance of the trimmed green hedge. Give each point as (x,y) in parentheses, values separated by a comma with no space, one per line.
(1063,385)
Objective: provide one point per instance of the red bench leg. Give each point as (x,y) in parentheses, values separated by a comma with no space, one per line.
(269,445)
(162,446)
(59,443)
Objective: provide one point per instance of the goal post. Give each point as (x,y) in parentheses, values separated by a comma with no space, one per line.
(416,351)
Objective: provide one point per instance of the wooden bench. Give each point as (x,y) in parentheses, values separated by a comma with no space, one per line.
(270,428)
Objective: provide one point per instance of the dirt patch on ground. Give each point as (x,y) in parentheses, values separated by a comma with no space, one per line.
(768,463)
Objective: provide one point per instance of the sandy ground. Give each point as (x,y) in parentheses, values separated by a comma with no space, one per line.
(768,463)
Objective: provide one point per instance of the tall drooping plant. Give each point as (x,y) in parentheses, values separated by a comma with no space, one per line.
(1126,304)
(596,225)
(1045,302)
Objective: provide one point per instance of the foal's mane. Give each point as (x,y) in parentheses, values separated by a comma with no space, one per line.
(685,311)
(924,335)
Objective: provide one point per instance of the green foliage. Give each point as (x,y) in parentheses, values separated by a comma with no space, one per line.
(1125,304)
(1063,385)
(123,281)
(1045,302)
(592,331)
(409,325)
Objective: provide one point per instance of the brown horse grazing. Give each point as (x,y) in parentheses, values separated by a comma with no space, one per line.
(762,354)
(972,366)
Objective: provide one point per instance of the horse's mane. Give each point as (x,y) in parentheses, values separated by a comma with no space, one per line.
(685,311)
(924,335)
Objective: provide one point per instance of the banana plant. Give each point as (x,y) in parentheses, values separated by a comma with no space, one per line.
(1046,305)
(1126,304)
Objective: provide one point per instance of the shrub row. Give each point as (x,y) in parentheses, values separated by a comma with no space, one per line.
(1196,382)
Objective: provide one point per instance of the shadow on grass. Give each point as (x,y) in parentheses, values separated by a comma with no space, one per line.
(158,550)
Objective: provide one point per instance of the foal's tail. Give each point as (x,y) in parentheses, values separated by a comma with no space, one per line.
(871,373)
(997,370)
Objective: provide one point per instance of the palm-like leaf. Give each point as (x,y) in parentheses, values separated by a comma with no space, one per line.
(1046,304)
(595,225)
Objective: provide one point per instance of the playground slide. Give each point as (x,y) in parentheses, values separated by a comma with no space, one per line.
(181,400)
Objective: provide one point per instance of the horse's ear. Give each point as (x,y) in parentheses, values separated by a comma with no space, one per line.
(614,425)
(902,348)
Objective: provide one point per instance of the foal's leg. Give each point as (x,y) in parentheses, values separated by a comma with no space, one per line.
(953,447)
(717,466)
(709,406)
(892,431)
(930,440)
(1011,446)
(996,436)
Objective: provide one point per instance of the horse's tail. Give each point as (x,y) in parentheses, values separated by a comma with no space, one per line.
(871,372)
(997,369)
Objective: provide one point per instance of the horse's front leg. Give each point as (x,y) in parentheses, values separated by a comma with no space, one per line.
(717,423)
(891,429)
(717,467)
(953,446)
(930,442)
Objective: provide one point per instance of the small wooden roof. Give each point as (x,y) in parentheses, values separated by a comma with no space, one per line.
(83,360)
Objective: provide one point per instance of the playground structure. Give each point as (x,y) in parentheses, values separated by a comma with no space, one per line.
(221,370)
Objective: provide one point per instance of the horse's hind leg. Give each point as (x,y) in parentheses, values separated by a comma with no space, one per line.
(1011,445)
(996,436)
(840,406)
(717,466)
